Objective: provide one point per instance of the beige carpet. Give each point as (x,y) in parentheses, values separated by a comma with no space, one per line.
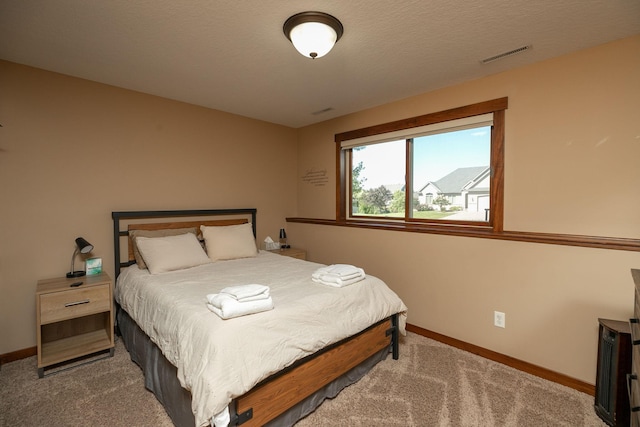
(431,385)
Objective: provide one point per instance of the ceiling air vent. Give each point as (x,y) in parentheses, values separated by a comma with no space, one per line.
(505,54)
(325,110)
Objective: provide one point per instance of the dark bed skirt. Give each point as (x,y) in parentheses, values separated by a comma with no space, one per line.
(161,378)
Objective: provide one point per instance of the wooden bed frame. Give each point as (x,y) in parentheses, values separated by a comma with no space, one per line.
(281,391)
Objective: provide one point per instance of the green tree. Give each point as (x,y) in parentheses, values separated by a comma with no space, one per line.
(356,181)
(441,201)
(397,204)
(356,189)
(378,198)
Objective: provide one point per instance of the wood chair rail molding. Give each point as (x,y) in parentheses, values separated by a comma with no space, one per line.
(493,230)
(599,242)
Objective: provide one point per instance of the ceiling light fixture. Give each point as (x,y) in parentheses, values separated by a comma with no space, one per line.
(313,34)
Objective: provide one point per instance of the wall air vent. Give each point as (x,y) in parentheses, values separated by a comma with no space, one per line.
(505,54)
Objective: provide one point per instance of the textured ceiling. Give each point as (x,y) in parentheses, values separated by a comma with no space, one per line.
(233,56)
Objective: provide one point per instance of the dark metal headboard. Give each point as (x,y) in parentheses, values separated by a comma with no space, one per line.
(134,215)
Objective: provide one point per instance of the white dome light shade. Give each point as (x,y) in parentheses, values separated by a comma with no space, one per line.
(313,39)
(313,34)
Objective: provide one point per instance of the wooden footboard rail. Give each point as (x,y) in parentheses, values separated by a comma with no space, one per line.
(285,389)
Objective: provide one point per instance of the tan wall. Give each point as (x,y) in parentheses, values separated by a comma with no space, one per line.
(73,151)
(571,166)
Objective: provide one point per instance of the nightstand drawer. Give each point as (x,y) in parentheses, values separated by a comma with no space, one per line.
(58,306)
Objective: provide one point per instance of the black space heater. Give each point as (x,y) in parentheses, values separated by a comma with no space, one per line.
(614,363)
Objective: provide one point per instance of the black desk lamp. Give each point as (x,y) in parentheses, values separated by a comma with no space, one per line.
(83,247)
(283,239)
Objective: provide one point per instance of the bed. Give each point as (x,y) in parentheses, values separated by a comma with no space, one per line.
(268,368)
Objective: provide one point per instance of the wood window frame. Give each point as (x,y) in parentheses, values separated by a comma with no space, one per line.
(495,231)
(343,169)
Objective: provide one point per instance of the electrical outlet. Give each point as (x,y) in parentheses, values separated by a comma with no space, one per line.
(499,319)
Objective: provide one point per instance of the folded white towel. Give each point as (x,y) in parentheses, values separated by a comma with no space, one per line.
(344,271)
(336,278)
(249,292)
(339,283)
(338,275)
(228,307)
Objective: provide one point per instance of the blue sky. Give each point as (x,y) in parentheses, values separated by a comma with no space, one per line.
(434,157)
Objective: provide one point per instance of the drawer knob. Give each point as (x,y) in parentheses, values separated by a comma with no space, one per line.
(71,304)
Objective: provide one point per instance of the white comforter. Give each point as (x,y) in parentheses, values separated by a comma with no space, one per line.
(219,360)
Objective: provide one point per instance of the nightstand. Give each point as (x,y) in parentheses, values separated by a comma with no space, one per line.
(291,252)
(73,321)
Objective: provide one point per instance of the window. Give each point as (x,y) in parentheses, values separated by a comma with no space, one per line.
(442,169)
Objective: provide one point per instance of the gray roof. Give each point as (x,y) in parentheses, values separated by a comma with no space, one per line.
(456,180)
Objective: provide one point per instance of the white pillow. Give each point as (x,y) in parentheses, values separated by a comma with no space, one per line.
(229,241)
(162,254)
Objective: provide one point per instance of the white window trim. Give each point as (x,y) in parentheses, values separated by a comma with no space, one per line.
(431,129)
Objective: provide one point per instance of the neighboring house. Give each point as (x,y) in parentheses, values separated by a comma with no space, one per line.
(465,188)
